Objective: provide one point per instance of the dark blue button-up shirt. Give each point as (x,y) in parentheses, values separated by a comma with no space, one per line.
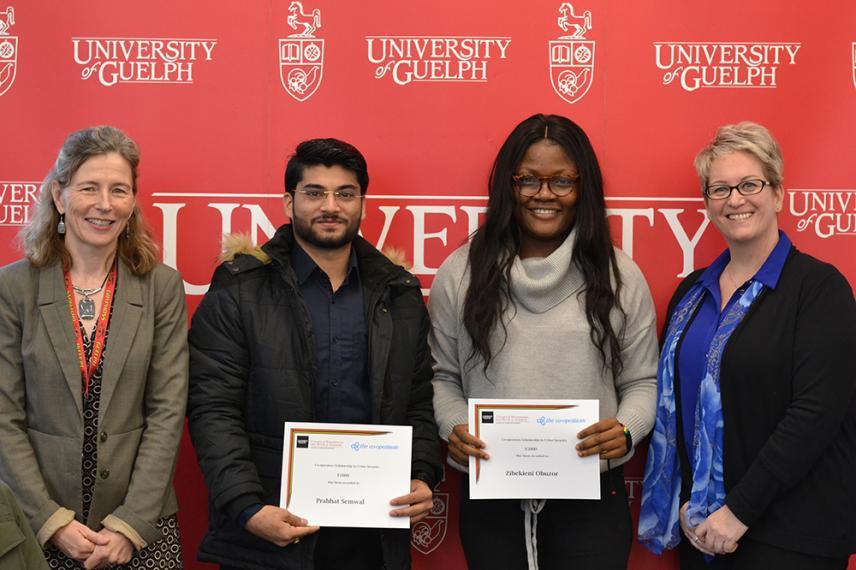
(341,391)
(692,359)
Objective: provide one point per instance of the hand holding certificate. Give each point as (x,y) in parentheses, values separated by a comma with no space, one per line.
(346,474)
(532,447)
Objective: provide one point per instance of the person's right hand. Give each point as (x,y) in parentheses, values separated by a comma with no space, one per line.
(689,531)
(462,445)
(77,540)
(278,526)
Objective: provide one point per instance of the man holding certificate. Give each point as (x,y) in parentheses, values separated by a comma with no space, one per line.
(318,336)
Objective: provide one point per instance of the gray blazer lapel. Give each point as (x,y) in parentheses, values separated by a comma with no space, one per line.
(53,305)
(127,311)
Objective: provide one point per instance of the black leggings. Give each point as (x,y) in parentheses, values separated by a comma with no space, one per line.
(578,534)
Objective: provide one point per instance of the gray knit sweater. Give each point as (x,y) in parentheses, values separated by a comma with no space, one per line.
(548,352)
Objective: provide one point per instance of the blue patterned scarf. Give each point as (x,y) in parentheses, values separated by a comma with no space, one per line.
(659,523)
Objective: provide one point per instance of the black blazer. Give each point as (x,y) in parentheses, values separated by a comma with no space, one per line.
(788,383)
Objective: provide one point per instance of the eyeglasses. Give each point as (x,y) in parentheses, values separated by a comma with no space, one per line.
(343,196)
(529,184)
(745,188)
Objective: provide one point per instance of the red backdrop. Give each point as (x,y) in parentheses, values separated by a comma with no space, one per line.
(217,96)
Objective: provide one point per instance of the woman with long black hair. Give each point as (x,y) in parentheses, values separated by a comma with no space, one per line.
(541,305)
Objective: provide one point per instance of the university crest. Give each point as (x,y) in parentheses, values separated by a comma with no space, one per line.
(572,56)
(301,55)
(8,50)
(429,533)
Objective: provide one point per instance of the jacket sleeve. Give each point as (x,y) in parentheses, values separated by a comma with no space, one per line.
(219,372)
(420,409)
(824,358)
(15,530)
(19,467)
(450,402)
(637,383)
(165,402)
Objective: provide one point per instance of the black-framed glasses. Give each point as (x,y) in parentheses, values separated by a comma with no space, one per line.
(529,184)
(745,188)
(342,196)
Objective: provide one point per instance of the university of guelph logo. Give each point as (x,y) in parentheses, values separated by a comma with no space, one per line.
(301,56)
(572,56)
(429,533)
(8,50)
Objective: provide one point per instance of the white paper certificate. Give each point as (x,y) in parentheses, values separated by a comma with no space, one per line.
(532,450)
(345,474)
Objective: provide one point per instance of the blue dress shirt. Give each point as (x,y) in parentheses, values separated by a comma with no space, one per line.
(692,358)
(341,391)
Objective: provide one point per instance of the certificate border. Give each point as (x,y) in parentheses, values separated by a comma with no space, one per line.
(292,441)
(479,407)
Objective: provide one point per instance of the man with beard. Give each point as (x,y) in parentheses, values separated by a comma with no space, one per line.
(314,325)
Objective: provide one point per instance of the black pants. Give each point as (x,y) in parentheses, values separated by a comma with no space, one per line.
(346,549)
(752,555)
(575,534)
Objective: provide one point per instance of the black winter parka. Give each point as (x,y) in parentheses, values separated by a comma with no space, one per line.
(252,367)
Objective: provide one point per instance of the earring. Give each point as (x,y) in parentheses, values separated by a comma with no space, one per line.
(60,227)
(128,228)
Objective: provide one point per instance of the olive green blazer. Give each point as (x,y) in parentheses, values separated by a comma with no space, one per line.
(18,546)
(143,397)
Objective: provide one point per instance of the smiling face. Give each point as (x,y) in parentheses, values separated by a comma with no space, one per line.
(327,223)
(97,203)
(743,220)
(545,220)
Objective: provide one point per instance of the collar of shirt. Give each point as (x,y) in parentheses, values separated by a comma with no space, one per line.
(304,266)
(768,274)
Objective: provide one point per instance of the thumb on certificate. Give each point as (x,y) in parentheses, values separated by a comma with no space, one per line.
(419,491)
(293,519)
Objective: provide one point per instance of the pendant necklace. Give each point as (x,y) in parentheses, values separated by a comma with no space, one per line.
(86,306)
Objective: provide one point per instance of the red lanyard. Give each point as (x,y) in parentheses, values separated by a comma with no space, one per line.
(87,370)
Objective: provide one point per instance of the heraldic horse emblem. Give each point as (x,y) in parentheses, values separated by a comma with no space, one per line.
(572,55)
(297,17)
(8,22)
(570,21)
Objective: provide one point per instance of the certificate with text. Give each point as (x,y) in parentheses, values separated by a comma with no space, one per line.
(532,448)
(345,474)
